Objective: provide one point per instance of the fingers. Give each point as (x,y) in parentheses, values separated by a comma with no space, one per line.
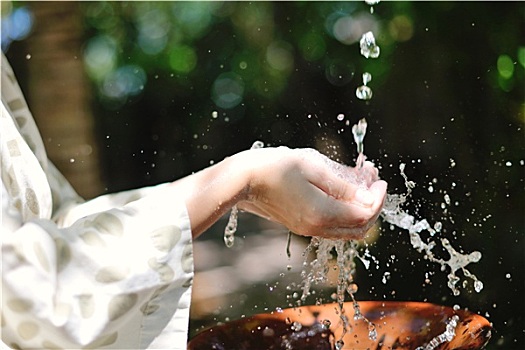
(367,174)
(344,218)
(326,216)
(314,196)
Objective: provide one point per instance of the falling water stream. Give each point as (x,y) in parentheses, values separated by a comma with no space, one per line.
(231,227)
(316,271)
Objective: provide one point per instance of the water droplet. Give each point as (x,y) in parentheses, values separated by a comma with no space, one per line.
(478,286)
(231,228)
(456,307)
(340,117)
(386,276)
(352,288)
(229,240)
(367,77)
(28,56)
(268,332)
(339,344)
(296,326)
(474,257)
(214,114)
(359,132)
(326,323)
(372,2)
(438,226)
(372,332)
(368,46)
(508,276)
(363,92)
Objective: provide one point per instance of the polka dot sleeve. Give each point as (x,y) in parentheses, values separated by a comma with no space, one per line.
(114,272)
(118,278)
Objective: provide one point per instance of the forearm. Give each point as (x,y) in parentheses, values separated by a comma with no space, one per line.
(93,277)
(301,189)
(211,192)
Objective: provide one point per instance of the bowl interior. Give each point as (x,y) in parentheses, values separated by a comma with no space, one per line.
(399,325)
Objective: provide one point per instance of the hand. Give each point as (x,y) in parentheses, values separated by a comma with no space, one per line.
(312,195)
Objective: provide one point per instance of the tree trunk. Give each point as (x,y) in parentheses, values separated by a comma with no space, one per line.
(59,93)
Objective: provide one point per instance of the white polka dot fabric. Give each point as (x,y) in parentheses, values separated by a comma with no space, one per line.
(114,272)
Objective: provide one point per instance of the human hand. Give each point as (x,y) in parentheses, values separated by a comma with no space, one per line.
(312,195)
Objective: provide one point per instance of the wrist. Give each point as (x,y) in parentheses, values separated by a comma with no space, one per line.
(241,174)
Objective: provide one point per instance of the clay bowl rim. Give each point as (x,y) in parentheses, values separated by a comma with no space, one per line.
(473,325)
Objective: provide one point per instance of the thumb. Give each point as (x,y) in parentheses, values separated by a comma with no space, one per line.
(374,196)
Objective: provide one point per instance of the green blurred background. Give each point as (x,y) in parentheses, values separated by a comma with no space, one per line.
(129,94)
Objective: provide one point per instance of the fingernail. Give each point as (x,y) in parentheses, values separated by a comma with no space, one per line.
(364,197)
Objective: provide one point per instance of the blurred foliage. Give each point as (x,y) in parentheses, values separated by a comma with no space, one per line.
(251,42)
(16,23)
(448,100)
(247,61)
(181,85)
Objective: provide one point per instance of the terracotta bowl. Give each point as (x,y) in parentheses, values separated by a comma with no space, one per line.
(399,325)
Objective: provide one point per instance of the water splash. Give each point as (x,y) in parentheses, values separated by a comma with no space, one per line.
(303,336)
(446,336)
(316,272)
(359,132)
(393,214)
(231,227)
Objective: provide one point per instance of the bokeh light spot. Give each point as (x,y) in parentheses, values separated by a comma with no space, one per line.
(194,17)
(100,56)
(349,29)
(279,56)
(126,81)
(228,90)
(339,72)
(401,28)
(183,59)
(154,26)
(505,66)
(16,26)
(312,46)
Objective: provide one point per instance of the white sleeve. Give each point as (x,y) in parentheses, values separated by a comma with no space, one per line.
(115,278)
